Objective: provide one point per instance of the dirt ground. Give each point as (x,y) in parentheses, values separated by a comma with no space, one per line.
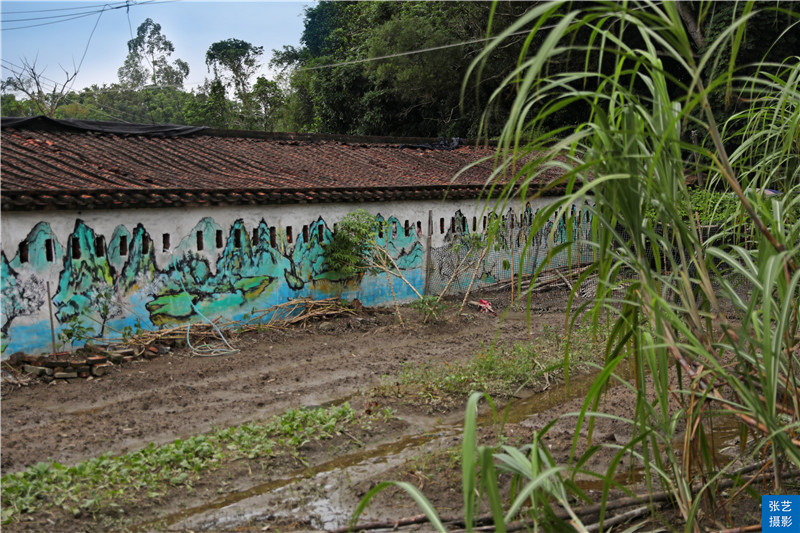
(180,395)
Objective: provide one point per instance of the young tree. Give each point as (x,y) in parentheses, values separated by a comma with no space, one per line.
(148,60)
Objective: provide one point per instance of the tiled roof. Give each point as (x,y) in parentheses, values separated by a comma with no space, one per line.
(46,164)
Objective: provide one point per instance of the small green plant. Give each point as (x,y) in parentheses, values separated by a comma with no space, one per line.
(74,331)
(131,332)
(431,307)
(349,250)
(103,483)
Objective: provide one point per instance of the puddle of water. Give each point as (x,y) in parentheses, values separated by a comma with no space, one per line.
(89,411)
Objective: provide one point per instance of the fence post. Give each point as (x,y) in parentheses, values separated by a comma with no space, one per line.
(428,262)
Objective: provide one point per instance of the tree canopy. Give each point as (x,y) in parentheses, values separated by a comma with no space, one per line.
(148,60)
(385,68)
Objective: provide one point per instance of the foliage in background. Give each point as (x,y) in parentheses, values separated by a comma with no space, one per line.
(147,62)
(378,84)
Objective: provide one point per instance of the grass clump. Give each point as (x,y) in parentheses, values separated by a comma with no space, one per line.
(498,370)
(102,484)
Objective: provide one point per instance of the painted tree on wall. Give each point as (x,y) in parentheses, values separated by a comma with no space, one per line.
(21,295)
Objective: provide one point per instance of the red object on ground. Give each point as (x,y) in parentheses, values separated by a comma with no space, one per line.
(486,307)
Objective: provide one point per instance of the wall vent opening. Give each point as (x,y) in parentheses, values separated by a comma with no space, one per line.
(99,246)
(219,238)
(165,242)
(199,241)
(288,234)
(75,244)
(123,245)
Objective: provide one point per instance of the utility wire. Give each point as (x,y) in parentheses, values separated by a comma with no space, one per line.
(419,51)
(86,49)
(52,10)
(73,16)
(432,49)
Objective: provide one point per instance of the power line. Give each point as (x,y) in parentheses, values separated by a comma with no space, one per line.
(49,10)
(86,49)
(87,12)
(419,51)
(74,16)
(433,48)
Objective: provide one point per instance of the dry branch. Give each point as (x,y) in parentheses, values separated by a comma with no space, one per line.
(281,316)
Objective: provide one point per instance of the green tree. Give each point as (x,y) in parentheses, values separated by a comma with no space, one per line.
(148,60)
(268,96)
(404,93)
(234,62)
(209,106)
(11,107)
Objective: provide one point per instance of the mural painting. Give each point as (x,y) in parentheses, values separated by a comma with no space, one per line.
(108,290)
(512,248)
(136,281)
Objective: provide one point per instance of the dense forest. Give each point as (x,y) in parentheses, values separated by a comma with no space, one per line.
(368,68)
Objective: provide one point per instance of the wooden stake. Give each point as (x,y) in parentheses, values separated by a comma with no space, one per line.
(52,327)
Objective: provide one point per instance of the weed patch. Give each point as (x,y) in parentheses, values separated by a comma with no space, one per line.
(500,370)
(105,483)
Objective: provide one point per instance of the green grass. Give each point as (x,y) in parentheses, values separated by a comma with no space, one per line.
(107,482)
(499,371)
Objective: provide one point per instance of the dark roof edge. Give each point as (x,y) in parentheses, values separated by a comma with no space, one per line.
(132,198)
(122,128)
(173,130)
(347,139)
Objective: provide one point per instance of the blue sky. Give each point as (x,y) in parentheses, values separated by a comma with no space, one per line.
(191,25)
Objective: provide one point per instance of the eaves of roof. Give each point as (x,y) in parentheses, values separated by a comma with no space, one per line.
(61,165)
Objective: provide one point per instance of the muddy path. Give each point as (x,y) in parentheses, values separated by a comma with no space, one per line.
(179,395)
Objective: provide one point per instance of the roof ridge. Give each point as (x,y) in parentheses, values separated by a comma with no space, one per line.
(172,130)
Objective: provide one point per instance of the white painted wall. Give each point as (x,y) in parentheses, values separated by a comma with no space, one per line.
(180,221)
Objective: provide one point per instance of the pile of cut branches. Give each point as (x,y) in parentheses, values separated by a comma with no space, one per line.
(292,313)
